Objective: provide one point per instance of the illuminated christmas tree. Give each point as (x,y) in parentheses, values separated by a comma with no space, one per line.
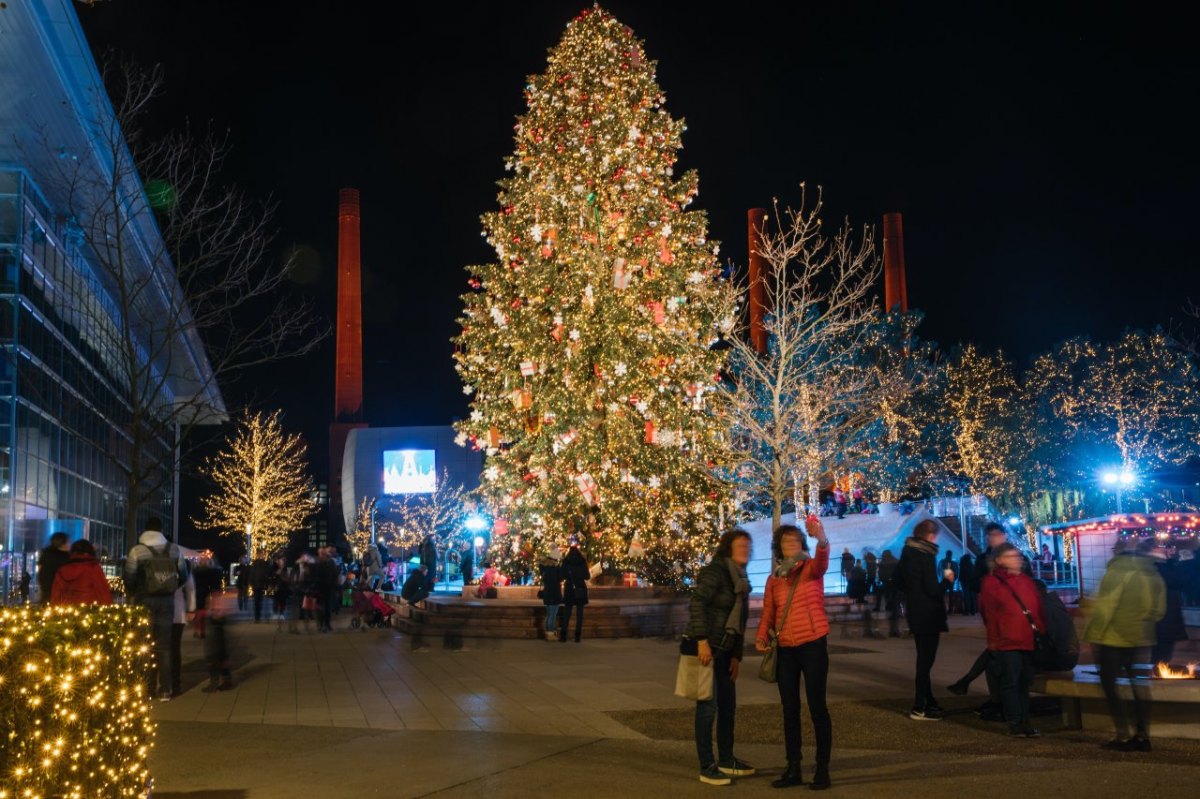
(262,485)
(586,346)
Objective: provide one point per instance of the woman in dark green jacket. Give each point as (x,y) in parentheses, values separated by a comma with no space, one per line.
(717,623)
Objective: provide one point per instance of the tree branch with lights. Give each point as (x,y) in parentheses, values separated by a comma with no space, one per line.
(799,408)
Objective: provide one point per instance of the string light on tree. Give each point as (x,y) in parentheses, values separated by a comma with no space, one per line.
(76,712)
(263,488)
(595,321)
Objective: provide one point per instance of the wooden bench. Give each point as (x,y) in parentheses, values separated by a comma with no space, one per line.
(1176,703)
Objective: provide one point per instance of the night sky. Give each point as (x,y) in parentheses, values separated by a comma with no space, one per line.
(1044,161)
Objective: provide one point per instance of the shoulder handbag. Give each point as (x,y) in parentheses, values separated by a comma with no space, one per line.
(1043,647)
(692,680)
(770,660)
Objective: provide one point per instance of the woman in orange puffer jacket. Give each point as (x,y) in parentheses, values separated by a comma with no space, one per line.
(803,631)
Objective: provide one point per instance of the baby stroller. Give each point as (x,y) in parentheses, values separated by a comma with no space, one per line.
(369,609)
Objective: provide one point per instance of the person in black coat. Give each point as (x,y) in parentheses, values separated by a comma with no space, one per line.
(575,576)
(871,564)
(551,593)
(966,568)
(1170,629)
(716,625)
(925,609)
(429,559)
(416,587)
(49,560)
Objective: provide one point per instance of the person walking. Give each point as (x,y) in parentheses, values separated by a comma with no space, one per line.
(242,580)
(53,556)
(717,615)
(992,710)
(1131,600)
(325,580)
(575,575)
(966,566)
(794,611)
(925,610)
(281,589)
(206,577)
(1011,606)
(839,501)
(81,580)
(185,604)
(24,587)
(154,569)
(551,593)
(260,580)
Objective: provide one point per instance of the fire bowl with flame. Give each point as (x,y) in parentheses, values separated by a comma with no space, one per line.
(1165,671)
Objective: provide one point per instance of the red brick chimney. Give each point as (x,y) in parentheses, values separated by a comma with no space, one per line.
(756,218)
(895,285)
(348,386)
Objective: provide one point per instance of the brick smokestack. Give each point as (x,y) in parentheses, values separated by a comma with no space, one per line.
(756,218)
(348,385)
(895,284)
(348,368)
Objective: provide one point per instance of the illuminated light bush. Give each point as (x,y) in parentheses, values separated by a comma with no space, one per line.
(74,711)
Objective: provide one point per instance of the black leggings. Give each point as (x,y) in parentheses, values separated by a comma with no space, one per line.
(564,617)
(812,661)
(1118,661)
(927,647)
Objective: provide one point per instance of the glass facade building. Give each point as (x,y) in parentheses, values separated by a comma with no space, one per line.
(64,410)
(61,414)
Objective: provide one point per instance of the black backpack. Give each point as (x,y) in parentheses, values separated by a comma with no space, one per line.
(158,575)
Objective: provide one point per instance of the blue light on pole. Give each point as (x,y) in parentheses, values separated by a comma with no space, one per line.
(1119,480)
(476,523)
(1014,520)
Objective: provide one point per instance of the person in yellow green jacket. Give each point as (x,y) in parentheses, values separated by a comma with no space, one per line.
(1131,600)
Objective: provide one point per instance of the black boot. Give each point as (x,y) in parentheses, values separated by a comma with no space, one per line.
(790,777)
(821,778)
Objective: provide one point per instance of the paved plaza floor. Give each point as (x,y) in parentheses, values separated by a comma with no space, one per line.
(352,713)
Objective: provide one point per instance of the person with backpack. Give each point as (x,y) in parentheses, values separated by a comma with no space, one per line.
(154,569)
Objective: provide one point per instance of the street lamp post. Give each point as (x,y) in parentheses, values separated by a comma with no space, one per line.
(1119,480)
(249,541)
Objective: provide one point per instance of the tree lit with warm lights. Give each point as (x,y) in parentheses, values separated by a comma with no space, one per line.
(76,710)
(263,488)
(585,346)
(415,517)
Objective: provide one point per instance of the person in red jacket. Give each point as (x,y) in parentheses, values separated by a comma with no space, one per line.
(1011,606)
(802,630)
(81,581)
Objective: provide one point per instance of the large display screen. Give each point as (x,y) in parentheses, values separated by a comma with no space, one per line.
(409,471)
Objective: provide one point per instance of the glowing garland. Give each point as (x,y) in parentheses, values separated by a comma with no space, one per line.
(76,711)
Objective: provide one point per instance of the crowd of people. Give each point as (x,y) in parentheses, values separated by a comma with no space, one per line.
(1028,628)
